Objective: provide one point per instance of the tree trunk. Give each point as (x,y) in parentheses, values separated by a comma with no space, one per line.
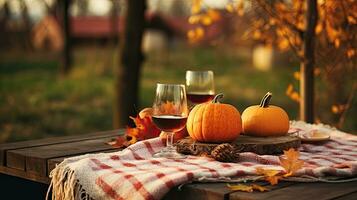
(114,21)
(131,57)
(66,53)
(27,25)
(307,65)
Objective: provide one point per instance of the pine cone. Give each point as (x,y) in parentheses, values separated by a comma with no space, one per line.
(225,153)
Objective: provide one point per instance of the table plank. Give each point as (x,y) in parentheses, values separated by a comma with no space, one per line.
(51,163)
(303,191)
(53,140)
(24,175)
(34,159)
(350,196)
(199,191)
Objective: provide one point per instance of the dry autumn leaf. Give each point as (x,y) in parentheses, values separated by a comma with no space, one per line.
(273,180)
(119,142)
(267,172)
(145,129)
(259,187)
(247,188)
(291,162)
(240,187)
(270,175)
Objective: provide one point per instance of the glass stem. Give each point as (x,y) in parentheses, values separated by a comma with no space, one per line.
(169,140)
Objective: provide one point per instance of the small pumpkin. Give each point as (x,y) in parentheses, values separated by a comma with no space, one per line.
(214,122)
(265,119)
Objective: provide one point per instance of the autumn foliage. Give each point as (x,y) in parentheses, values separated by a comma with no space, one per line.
(282,24)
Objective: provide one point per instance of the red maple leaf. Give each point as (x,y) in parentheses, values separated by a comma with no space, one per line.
(145,129)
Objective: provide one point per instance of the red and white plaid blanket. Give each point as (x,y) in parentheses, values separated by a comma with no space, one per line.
(134,174)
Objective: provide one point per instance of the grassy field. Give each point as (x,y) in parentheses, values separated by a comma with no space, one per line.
(35,102)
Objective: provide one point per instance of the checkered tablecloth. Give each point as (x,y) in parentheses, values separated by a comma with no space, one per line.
(134,174)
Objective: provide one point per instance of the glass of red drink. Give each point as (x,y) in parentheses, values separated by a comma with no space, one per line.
(200,86)
(170,115)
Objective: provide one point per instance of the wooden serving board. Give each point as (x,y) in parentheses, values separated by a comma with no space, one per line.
(259,145)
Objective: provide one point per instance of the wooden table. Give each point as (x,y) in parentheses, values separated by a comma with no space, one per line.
(26,165)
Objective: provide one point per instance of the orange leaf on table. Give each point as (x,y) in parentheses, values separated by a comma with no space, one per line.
(247,188)
(259,187)
(132,135)
(145,128)
(241,187)
(119,142)
(270,175)
(267,172)
(273,180)
(291,162)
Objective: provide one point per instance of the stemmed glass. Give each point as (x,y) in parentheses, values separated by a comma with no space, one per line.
(200,86)
(170,115)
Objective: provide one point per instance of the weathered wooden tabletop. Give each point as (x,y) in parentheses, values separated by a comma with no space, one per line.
(33,160)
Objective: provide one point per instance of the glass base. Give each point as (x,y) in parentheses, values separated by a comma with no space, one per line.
(169,153)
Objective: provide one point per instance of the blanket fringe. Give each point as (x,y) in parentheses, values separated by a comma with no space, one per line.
(64,185)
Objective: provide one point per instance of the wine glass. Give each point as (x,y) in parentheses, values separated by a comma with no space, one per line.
(170,115)
(200,86)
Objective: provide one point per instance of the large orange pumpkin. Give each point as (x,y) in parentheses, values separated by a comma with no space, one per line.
(214,122)
(265,119)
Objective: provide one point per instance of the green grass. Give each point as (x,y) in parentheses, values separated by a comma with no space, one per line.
(35,102)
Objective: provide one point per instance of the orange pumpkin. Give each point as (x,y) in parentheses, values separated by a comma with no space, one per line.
(265,119)
(214,122)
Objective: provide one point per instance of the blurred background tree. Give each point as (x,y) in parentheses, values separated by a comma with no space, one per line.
(294,25)
(92,93)
(131,58)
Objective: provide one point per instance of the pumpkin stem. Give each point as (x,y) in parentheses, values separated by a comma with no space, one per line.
(265,100)
(218,96)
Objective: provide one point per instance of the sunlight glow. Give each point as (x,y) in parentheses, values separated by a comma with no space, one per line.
(99,7)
